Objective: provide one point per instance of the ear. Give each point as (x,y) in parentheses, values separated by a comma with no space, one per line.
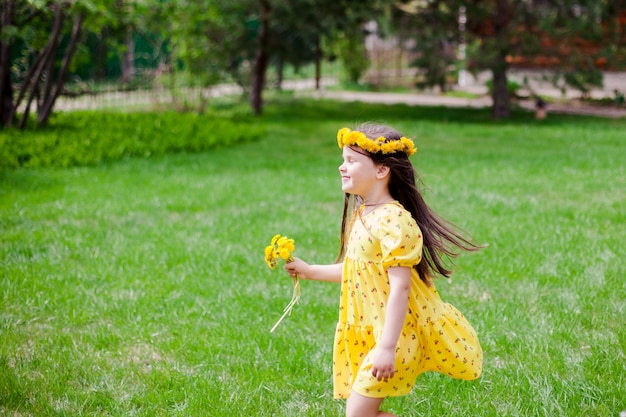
(382,171)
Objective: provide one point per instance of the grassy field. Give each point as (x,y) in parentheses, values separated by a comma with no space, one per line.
(138,288)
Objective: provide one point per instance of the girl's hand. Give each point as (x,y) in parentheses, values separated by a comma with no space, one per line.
(383,364)
(328,273)
(299,267)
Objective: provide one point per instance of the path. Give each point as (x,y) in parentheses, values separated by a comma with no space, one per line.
(571,107)
(306,88)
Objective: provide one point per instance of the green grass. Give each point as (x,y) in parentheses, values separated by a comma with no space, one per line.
(462,94)
(138,287)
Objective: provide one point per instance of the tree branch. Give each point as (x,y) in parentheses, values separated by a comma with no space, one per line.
(32,81)
(49,100)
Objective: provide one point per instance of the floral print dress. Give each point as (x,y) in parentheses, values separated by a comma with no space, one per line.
(435,335)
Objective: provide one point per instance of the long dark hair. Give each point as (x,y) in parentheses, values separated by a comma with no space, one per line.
(442,239)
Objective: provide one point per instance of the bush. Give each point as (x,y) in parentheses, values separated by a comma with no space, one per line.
(86,138)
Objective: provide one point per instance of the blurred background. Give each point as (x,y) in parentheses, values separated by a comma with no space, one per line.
(115,53)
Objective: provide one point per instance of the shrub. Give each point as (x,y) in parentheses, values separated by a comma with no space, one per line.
(86,138)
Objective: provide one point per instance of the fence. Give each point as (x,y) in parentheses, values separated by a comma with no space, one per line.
(389,69)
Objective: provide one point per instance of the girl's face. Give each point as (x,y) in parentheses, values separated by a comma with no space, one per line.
(358,172)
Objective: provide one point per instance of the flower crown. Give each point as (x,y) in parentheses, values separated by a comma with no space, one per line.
(347,137)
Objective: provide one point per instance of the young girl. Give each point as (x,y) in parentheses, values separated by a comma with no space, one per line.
(392,324)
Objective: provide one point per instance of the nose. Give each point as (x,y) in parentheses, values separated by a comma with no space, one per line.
(341,168)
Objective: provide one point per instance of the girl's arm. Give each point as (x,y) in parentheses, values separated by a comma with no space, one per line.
(329,273)
(383,365)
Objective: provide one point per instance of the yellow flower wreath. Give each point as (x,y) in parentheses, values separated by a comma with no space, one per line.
(347,137)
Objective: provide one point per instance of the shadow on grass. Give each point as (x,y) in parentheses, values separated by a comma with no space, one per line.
(88,137)
(288,109)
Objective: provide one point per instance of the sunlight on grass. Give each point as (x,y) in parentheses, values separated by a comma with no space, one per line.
(139,287)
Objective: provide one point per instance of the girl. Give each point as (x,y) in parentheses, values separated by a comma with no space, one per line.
(392,324)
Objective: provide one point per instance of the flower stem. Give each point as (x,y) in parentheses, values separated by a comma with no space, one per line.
(294,300)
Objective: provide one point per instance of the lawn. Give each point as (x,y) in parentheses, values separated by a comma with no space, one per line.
(138,287)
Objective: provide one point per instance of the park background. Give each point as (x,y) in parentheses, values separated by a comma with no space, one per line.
(136,200)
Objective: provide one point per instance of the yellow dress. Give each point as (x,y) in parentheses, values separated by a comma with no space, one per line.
(435,335)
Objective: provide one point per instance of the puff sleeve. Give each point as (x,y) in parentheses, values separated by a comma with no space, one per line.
(400,238)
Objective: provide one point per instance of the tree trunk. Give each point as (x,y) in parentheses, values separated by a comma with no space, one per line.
(261,58)
(48,70)
(49,101)
(128,57)
(500,93)
(318,64)
(31,84)
(6,91)
(43,60)
(6,88)
(500,89)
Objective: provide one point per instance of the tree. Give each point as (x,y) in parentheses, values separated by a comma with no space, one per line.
(436,34)
(580,39)
(218,39)
(501,33)
(308,22)
(492,23)
(38,40)
(261,57)
(566,34)
(8,33)
(288,31)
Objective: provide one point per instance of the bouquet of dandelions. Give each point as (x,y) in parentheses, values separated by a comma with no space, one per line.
(281,248)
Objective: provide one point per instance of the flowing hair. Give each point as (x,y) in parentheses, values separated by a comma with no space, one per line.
(442,240)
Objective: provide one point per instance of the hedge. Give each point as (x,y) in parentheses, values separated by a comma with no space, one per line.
(87,138)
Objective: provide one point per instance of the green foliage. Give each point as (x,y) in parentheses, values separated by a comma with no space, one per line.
(584,81)
(84,138)
(577,35)
(350,49)
(208,37)
(39,37)
(435,52)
